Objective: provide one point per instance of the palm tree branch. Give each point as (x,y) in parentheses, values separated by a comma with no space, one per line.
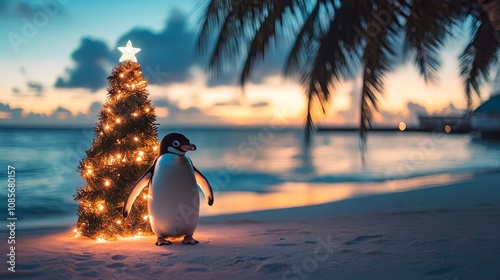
(336,58)
(265,32)
(377,62)
(428,24)
(477,58)
(299,52)
(210,16)
(239,23)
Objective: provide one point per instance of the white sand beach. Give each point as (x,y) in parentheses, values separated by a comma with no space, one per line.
(443,232)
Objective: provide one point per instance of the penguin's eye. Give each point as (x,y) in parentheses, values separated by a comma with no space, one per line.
(176,143)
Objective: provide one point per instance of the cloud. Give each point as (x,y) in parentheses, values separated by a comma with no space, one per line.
(95,108)
(236,102)
(232,102)
(260,104)
(178,116)
(19,8)
(59,117)
(388,118)
(24,9)
(62,117)
(89,71)
(169,51)
(272,65)
(31,86)
(166,56)
(29,8)
(10,113)
(36,87)
(416,110)
(451,110)
(350,116)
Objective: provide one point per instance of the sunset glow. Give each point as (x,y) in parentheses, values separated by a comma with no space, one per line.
(47,89)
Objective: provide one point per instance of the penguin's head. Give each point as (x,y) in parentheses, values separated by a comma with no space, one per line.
(176,143)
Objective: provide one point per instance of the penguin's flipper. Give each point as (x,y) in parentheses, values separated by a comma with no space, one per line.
(204,185)
(136,190)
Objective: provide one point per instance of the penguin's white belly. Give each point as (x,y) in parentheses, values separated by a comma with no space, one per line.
(174,200)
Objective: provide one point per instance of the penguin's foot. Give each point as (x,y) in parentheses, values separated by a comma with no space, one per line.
(188,239)
(162,241)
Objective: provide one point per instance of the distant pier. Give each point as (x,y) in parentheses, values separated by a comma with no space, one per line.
(445,124)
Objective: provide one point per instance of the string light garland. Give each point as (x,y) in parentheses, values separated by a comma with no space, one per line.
(126,128)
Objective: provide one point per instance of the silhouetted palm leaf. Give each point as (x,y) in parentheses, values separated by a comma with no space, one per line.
(377,61)
(480,54)
(265,31)
(336,58)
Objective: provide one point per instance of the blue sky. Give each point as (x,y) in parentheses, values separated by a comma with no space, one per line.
(43,83)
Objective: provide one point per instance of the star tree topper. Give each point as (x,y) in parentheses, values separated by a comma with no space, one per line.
(128,52)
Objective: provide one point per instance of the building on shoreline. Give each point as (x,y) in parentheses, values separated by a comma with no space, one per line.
(448,124)
(486,118)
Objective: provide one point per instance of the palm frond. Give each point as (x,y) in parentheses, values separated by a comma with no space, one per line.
(492,9)
(476,60)
(211,16)
(301,49)
(337,56)
(377,61)
(265,32)
(428,24)
(238,24)
(309,127)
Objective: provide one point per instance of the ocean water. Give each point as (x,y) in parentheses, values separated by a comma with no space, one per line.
(249,169)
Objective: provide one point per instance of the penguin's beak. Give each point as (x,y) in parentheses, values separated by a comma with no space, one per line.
(189,147)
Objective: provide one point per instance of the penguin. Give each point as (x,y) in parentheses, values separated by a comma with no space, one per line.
(174,200)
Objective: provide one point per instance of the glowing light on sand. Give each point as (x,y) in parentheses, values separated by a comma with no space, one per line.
(141,153)
(402,126)
(118,120)
(138,159)
(119,222)
(136,138)
(107,183)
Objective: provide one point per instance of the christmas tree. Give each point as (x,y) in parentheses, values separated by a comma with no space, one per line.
(124,147)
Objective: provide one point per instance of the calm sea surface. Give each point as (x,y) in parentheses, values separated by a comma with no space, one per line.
(249,169)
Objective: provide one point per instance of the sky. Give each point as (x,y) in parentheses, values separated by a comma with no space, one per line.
(56,54)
